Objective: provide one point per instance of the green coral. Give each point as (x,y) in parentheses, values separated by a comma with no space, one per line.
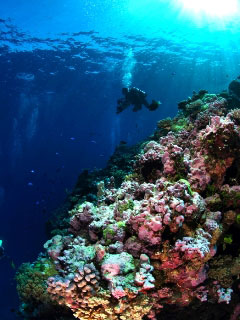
(128,282)
(179,125)
(238,219)
(129,265)
(109,233)
(228,239)
(31,280)
(188,185)
(209,97)
(111,230)
(132,176)
(46,266)
(121,224)
(125,206)
(204,107)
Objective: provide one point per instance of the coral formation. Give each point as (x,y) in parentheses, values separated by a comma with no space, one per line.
(119,167)
(167,236)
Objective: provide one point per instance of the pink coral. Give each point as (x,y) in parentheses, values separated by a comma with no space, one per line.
(150,242)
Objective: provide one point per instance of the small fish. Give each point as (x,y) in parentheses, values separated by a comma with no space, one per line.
(30,184)
(57,153)
(93,141)
(72,138)
(37,203)
(101,155)
(32,171)
(13,265)
(173,73)
(25,76)
(122,142)
(91,72)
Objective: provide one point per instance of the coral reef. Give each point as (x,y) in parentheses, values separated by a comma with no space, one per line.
(164,238)
(86,189)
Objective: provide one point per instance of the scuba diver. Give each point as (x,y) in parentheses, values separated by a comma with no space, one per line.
(1,250)
(137,98)
(2,255)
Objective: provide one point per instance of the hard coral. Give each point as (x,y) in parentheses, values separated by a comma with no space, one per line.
(162,237)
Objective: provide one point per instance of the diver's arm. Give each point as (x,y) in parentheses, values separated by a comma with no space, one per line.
(122,105)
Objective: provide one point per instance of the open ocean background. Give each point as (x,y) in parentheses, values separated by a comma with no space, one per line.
(62,67)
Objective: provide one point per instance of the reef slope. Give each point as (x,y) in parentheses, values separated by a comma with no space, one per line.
(162,243)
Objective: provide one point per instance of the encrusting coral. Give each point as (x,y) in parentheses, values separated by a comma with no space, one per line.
(167,236)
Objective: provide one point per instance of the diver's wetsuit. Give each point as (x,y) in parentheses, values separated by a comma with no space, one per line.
(1,252)
(137,98)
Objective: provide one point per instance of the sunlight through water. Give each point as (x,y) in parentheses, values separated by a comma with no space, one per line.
(220,12)
(213,8)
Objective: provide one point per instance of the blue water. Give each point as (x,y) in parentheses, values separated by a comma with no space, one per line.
(62,67)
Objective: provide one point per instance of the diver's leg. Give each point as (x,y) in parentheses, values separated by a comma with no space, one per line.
(145,103)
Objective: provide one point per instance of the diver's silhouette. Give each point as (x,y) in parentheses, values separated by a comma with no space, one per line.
(137,98)
(2,253)
(6,257)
